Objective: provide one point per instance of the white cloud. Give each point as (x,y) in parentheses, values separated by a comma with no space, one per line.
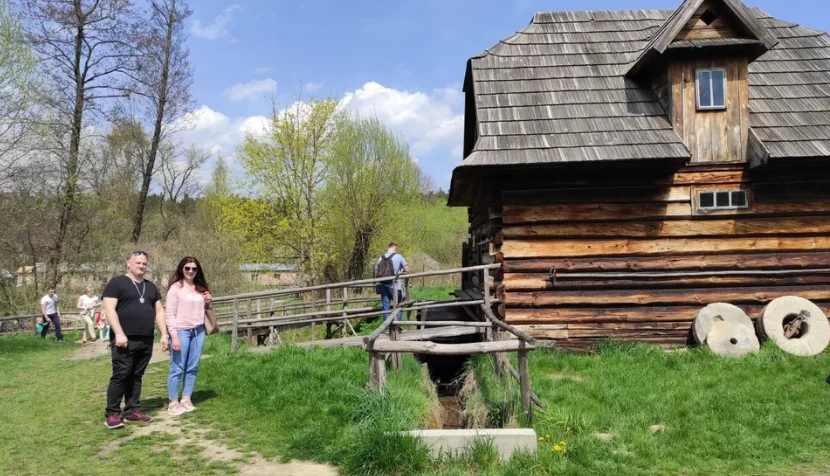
(218,28)
(428,121)
(432,123)
(241,91)
(310,87)
(217,132)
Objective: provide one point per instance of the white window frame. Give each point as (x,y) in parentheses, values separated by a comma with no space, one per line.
(716,207)
(711,107)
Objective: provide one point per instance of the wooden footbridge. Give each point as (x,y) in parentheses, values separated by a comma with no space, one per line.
(422,327)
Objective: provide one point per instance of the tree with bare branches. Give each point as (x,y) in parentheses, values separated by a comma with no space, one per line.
(86,59)
(163,84)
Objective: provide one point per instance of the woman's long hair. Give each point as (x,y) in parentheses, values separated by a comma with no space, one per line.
(199,280)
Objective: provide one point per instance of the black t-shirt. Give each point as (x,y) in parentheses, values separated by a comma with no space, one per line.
(136,318)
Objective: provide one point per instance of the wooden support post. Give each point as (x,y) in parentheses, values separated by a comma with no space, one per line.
(345,296)
(313,325)
(235,331)
(395,330)
(250,330)
(373,370)
(380,372)
(485,287)
(524,383)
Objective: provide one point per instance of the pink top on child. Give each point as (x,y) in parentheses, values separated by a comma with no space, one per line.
(185,308)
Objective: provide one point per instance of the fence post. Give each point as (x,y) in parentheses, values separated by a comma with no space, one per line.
(250,331)
(395,357)
(234,332)
(313,324)
(485,287)
(524,383)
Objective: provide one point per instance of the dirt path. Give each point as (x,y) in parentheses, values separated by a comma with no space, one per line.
(99,348)
(247,464)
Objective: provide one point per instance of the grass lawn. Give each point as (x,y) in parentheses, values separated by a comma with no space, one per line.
(764,414)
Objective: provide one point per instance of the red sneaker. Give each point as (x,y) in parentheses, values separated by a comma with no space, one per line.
(139,416)
(114,421)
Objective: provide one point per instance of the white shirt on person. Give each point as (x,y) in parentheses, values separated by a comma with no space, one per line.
(51,303)
(88,302)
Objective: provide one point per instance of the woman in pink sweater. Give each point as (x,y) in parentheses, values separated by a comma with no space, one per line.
(188,296)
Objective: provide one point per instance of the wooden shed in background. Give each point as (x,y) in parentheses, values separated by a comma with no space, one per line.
(630,167)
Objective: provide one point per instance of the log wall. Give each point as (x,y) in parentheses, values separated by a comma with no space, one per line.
(611,246)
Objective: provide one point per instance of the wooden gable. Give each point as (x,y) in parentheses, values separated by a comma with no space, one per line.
(711,20)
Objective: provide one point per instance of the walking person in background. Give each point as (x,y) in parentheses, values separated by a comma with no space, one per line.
(51,312)
(133,306)
(86,309)
(390,264)
(188,296)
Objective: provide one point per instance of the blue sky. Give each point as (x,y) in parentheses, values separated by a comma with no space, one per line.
(401,60)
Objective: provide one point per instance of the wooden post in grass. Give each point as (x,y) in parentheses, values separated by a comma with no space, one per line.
(380,373)
(313,325)
(235,331)
(250,332)
(524,382)
(271,330)
(394,330)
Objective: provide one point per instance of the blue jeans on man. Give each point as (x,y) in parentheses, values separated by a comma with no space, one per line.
(185,362)
(57,322)
(386,298)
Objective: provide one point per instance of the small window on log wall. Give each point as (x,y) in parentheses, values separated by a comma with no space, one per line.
(711,89)
(712,200)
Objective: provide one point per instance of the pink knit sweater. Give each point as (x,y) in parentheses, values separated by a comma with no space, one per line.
(185,308)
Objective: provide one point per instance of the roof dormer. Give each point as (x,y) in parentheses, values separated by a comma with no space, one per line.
(714,26)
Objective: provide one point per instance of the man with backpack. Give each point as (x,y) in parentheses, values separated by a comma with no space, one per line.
(390,264)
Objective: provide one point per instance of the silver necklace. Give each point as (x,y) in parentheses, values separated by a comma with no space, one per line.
(140,293)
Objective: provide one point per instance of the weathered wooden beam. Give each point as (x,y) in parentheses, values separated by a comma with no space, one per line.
(426,334)
(372,281)
(674,228)
(442,323)
(692,296)
(734,261)
(542,282)
(431,348)
(488,313)
(524,382)
(551,248)
(235,329)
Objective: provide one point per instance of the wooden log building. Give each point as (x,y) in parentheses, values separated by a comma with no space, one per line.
(630,167)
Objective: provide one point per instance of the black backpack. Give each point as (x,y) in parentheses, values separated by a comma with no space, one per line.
(386,267)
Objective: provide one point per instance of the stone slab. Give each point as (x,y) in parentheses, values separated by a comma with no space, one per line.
(505,441)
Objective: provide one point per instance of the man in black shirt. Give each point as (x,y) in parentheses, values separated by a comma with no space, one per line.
(133,306)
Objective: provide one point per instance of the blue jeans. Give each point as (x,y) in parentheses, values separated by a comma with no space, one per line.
(386,300)
(57,322)
(185,361)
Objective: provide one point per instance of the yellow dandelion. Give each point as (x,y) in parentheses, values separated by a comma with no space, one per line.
(563,443)
(557,448)
(541,439)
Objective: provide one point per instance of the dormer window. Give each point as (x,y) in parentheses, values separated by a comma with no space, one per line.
(711,89)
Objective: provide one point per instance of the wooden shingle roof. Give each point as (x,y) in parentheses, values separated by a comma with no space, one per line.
(556,91)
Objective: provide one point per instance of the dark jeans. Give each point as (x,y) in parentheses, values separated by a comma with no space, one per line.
(386,298)
(128,366)
(57,322)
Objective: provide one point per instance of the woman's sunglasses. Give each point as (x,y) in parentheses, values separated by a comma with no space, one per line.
(191,269)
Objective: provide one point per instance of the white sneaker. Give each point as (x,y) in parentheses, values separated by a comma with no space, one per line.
(175,409)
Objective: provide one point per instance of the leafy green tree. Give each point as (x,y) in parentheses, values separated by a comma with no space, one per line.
(288,167)
(371,175)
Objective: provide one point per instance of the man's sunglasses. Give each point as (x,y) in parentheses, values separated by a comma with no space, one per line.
(140,253)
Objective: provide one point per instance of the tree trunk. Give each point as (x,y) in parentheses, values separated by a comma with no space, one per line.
(56,255)
(138,219)
(357,261)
